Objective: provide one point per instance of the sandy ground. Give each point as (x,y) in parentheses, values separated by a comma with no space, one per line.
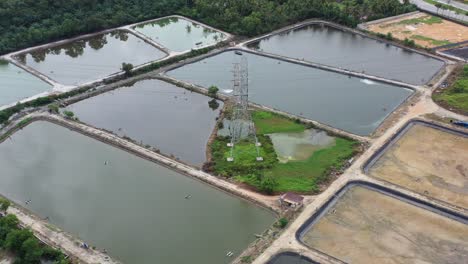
(438,170)
(387,231)
(447,30)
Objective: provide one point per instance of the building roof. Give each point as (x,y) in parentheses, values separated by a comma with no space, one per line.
(292,197)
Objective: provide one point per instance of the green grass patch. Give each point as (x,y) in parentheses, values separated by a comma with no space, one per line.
(424,20)
(433,41)
(456,96)
(299,176)
(268,122)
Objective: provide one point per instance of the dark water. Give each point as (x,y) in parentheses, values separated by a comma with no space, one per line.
(17,84)
(167,117)
(133,208)
(290,258)
(92,58)
(178,34)
(348,103)
(330,46)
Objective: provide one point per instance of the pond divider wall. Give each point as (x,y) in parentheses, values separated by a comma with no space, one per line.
(320,212)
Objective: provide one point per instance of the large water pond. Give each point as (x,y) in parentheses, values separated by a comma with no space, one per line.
(175,121)
(133,208)
(178,34)
(367,226)
(92,58)
(349,103)
(17,84)
(339,48)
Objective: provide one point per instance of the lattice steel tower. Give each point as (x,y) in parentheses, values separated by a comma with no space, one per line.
(241,126)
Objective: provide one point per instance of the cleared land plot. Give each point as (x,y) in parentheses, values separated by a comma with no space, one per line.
(324,96)
(426,30)
(428,161)
(17,84)
(174,120)
(91,58)
(178,34)
(366,226)
(133,208)
(337,47)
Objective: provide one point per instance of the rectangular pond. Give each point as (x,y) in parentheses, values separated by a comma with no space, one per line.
(335,47)
(179,34)
(133,208)
(91,58)
(427,159)
(366,225)
(17,84)
(174,120)
(348,103)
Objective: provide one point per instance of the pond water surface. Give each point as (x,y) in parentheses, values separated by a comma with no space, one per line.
(171,119)
(339,48)
(133,208)
(17,84)
(178,34)
(92,58)
(352,104)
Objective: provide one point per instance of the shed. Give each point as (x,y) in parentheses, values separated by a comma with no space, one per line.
(291,199)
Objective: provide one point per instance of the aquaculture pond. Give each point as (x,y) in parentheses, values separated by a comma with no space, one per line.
(438,170)
(386,230)
(91,58)
(17,84)
(339,48)
(140,212)
(175,121)
(349,103)
(178,34)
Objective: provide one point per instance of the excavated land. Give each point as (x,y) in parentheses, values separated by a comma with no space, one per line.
(386,230)
(413,160)
(424,29)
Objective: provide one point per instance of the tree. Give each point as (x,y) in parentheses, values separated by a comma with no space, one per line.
(268,184)
(4,204)
(15,239)
(213,91)
(31,251)
(283,222)
(68,114)
(127,68)
(213,104)
(53,108)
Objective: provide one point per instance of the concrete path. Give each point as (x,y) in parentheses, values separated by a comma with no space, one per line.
(454,3)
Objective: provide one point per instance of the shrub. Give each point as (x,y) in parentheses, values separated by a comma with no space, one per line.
(4,204)
(268,184)
(283,222)
(127,68)
(68,114)
(213,91)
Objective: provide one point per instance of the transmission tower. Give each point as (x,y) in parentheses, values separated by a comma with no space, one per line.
(241,126)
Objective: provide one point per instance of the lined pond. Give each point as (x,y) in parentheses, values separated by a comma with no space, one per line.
(175,121)
(415,162)
(178,34)
(386,230)
(349,103)
(17,84)
(135,209)
(339,48)
(91,58)
(290,258)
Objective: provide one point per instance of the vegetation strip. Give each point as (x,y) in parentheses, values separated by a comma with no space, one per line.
(455,97)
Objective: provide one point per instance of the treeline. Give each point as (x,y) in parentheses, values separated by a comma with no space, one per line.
(253,17)
(25,23)
(26,248)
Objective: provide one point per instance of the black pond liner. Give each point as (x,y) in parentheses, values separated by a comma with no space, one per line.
(382,190)
(294,258)
(378,154)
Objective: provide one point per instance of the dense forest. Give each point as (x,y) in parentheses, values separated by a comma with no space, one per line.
(24,23)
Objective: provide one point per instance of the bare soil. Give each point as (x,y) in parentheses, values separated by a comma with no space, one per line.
(444,31)
(428,161)
(387,230)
